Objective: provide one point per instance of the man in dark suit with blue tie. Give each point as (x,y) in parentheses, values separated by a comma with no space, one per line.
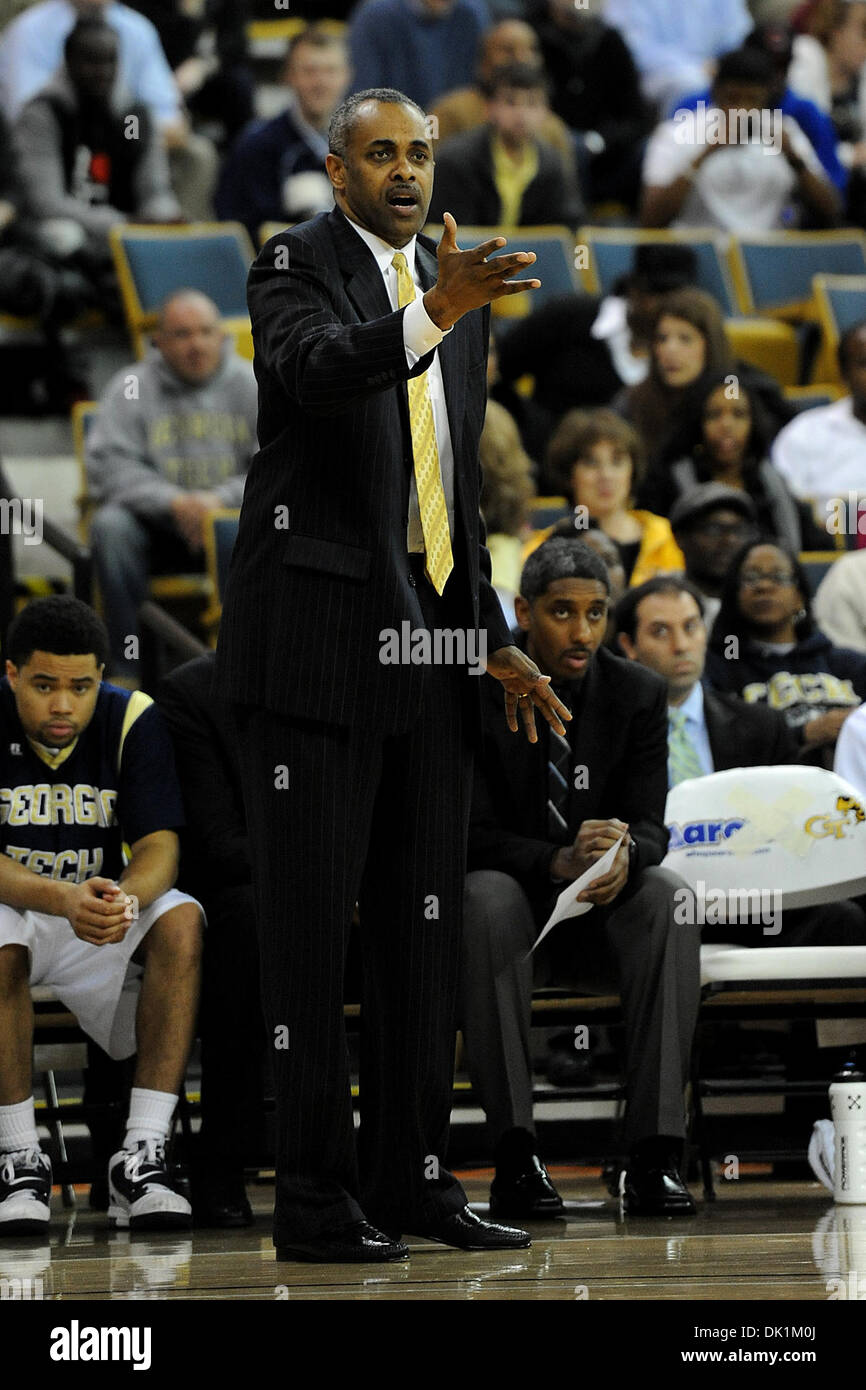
(359,544)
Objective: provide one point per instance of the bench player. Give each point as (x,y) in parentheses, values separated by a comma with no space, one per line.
(89,807)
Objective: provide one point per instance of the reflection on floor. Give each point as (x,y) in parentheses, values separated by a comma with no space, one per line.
(759,1240)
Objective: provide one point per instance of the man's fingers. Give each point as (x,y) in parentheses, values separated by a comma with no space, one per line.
(515,287)
(486,248)
(449,234)
(505,265)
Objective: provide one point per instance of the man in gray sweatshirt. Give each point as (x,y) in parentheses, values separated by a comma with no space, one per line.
(88,157)
(172,441)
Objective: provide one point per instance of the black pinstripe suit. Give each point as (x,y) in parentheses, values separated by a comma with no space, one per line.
(378,757)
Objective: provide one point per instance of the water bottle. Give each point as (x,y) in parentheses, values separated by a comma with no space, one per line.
(848,1109)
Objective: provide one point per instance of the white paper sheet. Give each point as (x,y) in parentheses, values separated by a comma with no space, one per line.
(567,904)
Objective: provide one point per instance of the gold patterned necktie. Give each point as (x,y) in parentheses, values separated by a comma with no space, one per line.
(428,475)
(683,760)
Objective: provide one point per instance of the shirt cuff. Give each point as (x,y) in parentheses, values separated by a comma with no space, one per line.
(420,334)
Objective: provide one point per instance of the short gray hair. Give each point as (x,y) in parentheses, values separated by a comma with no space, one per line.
(346,114)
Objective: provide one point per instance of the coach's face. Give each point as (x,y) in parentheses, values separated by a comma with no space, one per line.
(386,180)
(55,695)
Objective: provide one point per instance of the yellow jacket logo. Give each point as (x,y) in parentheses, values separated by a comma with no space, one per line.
(850,812)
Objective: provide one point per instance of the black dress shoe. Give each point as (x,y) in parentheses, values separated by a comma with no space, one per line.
(219,1199)
(356,1243)
(657,1191)
(466,1231)
(221,1212)
(526,1194)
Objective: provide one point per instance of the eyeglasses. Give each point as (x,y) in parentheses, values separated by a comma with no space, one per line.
(750,579)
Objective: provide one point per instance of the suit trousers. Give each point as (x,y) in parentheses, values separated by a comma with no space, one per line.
(633,947)
(338,815)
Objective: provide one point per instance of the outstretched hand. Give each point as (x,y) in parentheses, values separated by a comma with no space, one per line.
(526,690)
(468,279)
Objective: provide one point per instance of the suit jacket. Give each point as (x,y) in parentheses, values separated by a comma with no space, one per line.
(621,739)
(320,566)
(744,735)
(466,188)
(215,851)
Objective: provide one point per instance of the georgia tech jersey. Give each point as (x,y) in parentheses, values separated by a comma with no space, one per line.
(68,814)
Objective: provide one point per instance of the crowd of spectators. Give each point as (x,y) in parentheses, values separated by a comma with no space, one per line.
(689,483)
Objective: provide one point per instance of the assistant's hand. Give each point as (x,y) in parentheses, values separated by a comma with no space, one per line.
(467,279)
(526,687)
(98,911)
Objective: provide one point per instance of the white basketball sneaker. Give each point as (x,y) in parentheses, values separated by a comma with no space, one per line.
(141,1193)
(25,1192)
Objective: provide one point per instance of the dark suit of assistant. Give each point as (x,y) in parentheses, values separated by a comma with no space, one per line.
(618,736)
(357,774)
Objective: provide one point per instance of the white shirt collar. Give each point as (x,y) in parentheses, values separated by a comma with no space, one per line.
(382,250)
(693,707)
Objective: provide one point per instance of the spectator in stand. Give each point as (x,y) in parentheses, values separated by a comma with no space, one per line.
(777,41)
(840,603)
(31,51)
(503,174)
(688,346)
(829,67)
(35,283)
(81,173)
(597,458)
(722,437)
(676,46)
(422,47)
(596,90)
(215,868)
(205,42)
(159,458)
(275,171)
(510,41)
(582,349)
(765,647)
(711,523)
(821,453)
(732,165)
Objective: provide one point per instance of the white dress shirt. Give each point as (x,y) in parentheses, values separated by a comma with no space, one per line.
(420,335)
(821,454)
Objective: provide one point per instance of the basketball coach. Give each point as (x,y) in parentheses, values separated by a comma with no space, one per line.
(360,520)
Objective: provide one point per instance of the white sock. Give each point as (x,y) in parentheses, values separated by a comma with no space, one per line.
(18,1126)
(150,1116)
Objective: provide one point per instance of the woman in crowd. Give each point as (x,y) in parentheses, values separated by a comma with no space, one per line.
(688,347)
(723,437)
(765,647)
(597,459)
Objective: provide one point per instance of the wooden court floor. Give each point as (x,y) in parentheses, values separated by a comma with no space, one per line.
(760,1240)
